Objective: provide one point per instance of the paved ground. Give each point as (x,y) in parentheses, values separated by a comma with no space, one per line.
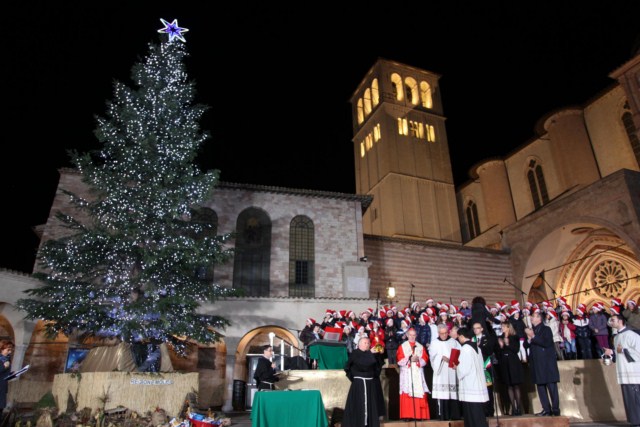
(243,419)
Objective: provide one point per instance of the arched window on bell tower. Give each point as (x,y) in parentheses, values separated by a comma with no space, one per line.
(375,92)
(473,223)
(301,257)
(537,185)
(360,108)
(426,98)
(411,90)
(632,132)
(397,87)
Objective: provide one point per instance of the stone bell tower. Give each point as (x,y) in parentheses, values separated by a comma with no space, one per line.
(402,155)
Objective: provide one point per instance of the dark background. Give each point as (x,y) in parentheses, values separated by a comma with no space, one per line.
(278,80)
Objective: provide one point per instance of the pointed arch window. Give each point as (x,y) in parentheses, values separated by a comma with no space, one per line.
(204,225)
(301,257)
(537,185)
(252,257)
(472,220)
(632,133)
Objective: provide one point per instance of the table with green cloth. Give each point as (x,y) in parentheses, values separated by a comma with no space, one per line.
(329,356)
(288,408)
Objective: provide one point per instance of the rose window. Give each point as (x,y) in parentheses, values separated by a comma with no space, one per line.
(610,279)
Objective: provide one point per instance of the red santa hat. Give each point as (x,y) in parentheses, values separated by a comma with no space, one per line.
(536,310)
(500,305)
(615,310)
(464,301)
(528,304)
(566,307)
(429,301)
(415,305)
(616,302)
(424,317)
(443,313)
(546,304)
(493,308)
(582,307)
(407,310)
(311,321)
(340,324)
(553,314)
(350,313)
(439,304)
(515,303)
(404,324)
(430,311)
(632,302)
(382,312)
(501,317)
(562,300)
(512,311)
(389,322)
(453,308)
(342,313)
(355,325)
(566,314)
(376,324)
(329,312)
(526,311)
(390,313)
(579,312)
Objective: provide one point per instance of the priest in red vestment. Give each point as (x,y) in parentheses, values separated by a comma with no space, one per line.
(412,357)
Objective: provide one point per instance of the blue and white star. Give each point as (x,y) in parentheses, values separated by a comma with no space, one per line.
(174,31)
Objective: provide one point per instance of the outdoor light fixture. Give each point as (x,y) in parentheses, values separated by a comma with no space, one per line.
(391,292)
(364,259)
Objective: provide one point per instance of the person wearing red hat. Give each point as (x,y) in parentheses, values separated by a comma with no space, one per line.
(599,329)
(391,342)
(568,334)
(412,358)
(583,333)
(553,324)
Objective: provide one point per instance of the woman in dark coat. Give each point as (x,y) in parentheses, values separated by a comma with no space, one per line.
(510,366)
(365,402)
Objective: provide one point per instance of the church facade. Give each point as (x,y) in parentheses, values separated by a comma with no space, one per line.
(559,216)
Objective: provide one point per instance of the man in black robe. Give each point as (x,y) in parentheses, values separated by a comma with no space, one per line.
(265,373)
(365,401)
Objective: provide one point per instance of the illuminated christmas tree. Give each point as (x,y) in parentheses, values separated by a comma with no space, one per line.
(128,267)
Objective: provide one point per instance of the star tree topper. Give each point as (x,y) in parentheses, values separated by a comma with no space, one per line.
(174,31)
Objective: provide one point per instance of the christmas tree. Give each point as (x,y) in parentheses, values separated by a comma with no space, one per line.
(127,267)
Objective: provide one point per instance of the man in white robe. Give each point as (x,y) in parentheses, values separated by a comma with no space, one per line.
(445,383)
(626,346)
(472,387)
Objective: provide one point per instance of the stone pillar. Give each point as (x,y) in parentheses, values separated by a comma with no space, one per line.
(227,396)
(18,356)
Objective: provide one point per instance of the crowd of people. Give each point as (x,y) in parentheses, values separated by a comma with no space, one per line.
(490,343)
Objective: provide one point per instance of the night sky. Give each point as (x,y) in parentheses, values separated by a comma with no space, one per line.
(278,82)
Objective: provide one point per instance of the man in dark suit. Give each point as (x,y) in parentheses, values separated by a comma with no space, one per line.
(544,364)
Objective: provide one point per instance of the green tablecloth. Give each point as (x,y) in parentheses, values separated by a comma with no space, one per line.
(288,408)
(329,357)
